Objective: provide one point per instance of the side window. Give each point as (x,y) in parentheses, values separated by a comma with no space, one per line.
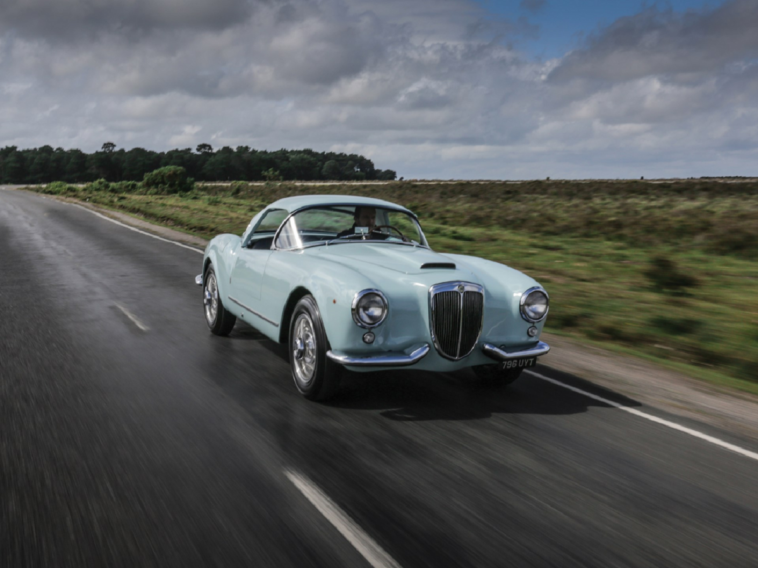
(270,221)
(265,226)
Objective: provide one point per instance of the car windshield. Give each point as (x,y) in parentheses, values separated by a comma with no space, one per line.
(344,224)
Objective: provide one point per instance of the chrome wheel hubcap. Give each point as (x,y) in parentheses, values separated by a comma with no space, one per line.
(304,350)
(210,299)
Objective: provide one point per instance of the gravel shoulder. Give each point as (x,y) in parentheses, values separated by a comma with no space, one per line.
(643,381)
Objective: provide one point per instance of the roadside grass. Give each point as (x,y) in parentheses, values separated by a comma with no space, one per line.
(664,271)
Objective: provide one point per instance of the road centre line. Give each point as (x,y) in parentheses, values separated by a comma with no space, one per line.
(136,230)
(132,317)
(669,424)
(369,549)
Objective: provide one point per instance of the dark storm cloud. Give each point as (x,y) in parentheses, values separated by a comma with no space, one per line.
(78,20)
(662,42)
(532,6)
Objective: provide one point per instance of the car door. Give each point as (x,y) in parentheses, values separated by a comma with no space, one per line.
(250,261)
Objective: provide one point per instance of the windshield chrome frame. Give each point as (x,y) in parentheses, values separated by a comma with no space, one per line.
(335,241)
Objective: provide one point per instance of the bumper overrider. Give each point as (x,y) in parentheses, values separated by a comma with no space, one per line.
(394,359)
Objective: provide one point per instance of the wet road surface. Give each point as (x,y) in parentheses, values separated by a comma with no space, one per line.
(130,436)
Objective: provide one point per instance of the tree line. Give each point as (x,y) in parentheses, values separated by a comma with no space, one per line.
(45,165)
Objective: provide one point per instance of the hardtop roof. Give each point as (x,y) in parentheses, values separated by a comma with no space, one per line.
(291,204)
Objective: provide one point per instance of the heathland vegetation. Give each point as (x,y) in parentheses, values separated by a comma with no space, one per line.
(45,164)
(667,270)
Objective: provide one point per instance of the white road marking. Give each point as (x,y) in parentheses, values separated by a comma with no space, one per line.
(137,230)
(673,425)
(132,317)
(371,551)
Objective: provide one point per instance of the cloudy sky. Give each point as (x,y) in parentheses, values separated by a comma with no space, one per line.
(505,89)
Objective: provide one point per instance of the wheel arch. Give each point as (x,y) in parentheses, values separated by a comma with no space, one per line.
(289,307)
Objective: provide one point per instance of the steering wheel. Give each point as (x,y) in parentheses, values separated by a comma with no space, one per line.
(402,236)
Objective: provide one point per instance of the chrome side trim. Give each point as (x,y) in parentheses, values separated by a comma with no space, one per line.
(385,360)
(252,311)
(199,279)
(496,353)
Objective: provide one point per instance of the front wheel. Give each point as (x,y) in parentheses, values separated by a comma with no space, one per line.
(219,319)
(496,375)
(315,375)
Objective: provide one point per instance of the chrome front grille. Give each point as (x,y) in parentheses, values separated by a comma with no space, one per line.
(456,312)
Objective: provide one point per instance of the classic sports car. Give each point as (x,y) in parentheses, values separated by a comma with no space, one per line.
(351,282)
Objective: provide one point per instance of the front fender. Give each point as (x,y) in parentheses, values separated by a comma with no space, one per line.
(220,252)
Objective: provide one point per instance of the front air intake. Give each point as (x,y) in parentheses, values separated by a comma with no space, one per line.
(439,265)
(456,310)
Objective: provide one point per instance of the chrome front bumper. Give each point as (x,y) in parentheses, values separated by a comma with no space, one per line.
(500,355)
(385,360)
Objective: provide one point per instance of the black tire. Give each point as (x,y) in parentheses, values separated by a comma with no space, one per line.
(316,376)
(219,319)
(495,375)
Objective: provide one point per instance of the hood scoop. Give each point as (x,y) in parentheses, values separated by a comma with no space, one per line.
(439,265)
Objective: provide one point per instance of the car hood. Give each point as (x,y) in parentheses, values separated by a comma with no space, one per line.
(396,258)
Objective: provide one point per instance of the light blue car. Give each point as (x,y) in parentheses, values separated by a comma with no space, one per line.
(350,282)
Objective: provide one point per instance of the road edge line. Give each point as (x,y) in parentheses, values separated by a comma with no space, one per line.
(135,229)
(663,422)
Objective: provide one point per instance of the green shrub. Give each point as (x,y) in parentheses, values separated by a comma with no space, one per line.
(739,241)
(666,276)
(124,187)
(170,179)
(58,188)
(237,187)
(98,185)
(677,326)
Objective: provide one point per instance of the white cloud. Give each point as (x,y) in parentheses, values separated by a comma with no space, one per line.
(417,85)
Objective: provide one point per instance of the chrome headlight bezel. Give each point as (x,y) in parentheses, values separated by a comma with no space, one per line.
(525,297)
(357,304)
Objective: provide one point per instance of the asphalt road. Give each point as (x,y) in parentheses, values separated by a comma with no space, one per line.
(130,436)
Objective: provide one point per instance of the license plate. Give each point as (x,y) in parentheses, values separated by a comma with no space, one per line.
(520,363)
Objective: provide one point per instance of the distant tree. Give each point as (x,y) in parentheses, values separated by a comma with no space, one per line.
(76,169)
(41,165)
(304,167)
(218,167)
(13,167)
(39,169)
(331,170)
(137,163)
(386,175)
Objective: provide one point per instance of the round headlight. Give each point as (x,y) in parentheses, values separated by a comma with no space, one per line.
(534,305)
(369,308)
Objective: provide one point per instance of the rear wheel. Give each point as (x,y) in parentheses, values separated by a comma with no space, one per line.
(219,319)
(496,374)
(315,375)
